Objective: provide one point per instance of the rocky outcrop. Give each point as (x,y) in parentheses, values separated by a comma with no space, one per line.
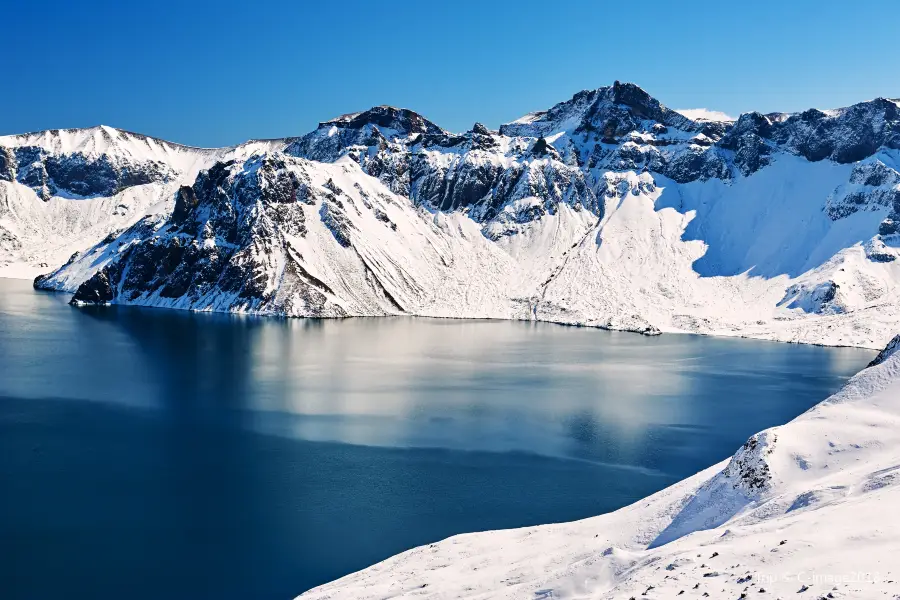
(891,224)
(887,352)
(225,244)
(99,289)
(447,172)
(8,164)
(400,120)
(613,112)
(872,186)
(845,135)
(748,468)
(818,298)
(77,174)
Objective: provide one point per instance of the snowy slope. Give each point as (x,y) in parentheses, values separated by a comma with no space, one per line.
(62,191)
(607,210)
(808,507)
(705,114)
(37,235)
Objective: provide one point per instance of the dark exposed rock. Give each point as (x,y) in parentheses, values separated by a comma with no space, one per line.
(281,186)
(336,221)
(480,129)
(542,148)
(693,165)
(845,136)
(99,289)
(332,187)
(880,256)
(886,352)
(382,216)
(829,292)
(219,238)
(872,186)
(399,119)
(76,173)
(482,138)
(747,140)
(819,298)
(7,164)
(874,174)
(610,112)
(748,467)
(41,282)
(32,171)
(889,226)
(644,106)
(185,202)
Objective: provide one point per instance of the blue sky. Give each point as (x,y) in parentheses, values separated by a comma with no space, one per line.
(216,73)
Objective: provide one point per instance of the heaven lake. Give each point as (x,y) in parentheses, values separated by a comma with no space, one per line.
(152,453)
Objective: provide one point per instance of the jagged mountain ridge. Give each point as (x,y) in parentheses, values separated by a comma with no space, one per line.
(116,176)
(102,161)
(608,209)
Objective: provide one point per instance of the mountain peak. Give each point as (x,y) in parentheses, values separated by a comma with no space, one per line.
(644,106)
(388,117)
(630,94)
(607,109)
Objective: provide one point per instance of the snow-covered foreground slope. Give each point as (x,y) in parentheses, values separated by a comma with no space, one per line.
(606,210)
(808,507)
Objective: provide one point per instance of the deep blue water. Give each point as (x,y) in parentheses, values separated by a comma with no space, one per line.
(161,454)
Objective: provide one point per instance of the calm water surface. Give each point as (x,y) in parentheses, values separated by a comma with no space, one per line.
(160,454)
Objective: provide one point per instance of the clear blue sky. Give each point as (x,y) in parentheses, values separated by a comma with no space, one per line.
(215,73)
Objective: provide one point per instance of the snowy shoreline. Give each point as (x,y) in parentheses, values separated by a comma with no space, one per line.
(806,507)
(736,335)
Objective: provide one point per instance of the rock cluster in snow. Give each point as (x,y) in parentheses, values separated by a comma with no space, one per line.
(76,174)
(608,210)
(887,352)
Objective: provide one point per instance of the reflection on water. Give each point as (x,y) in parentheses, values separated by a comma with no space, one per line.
(238,456)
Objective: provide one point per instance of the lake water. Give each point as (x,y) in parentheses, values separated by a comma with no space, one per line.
(158,454)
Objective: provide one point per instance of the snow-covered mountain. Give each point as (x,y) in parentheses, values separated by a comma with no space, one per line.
(65,190)
(607,210)
(806,510)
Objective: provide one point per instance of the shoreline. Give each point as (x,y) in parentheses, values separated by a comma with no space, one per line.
(738,334)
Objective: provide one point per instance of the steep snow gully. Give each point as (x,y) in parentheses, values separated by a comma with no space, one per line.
(607,210)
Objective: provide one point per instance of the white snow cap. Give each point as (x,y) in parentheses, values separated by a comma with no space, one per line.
(704,114)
